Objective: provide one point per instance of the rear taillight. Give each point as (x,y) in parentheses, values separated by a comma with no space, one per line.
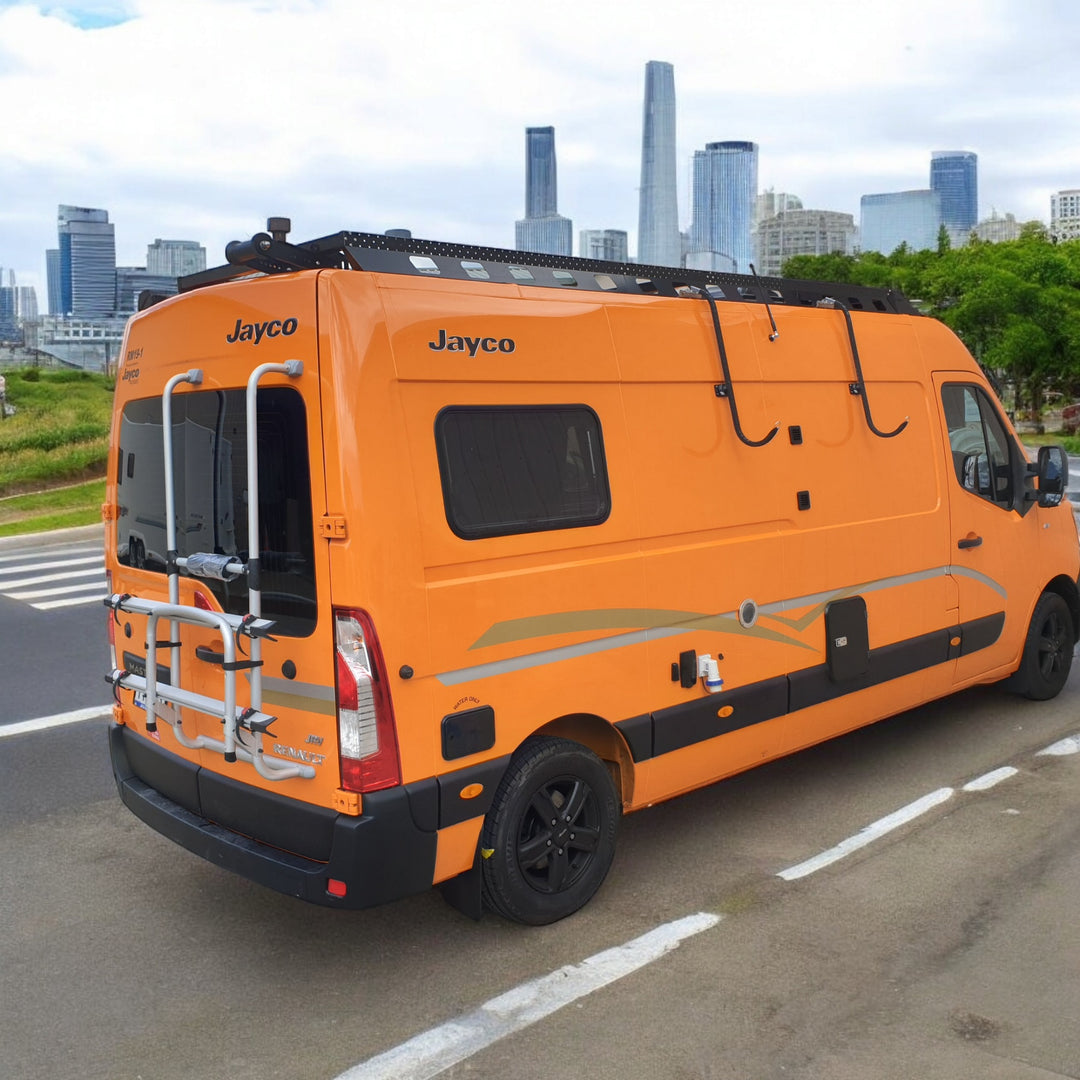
(367,736)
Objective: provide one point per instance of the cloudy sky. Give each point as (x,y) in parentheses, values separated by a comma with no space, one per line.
(195,119)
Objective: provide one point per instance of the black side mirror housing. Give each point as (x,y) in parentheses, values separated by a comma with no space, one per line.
(1053,475)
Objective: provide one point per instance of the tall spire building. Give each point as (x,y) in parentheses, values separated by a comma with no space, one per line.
(542,228)
(659,243)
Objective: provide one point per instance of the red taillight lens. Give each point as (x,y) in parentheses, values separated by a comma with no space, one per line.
(367,734)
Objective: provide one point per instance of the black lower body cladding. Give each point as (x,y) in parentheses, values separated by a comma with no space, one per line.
(286,845)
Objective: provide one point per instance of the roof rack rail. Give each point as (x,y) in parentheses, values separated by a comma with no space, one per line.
(375,252)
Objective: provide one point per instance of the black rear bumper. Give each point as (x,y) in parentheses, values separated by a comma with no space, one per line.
(382,855)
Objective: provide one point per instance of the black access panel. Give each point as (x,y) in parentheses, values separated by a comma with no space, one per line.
(847,639)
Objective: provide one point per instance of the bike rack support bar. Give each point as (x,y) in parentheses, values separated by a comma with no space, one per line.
(294,369)
(195,377)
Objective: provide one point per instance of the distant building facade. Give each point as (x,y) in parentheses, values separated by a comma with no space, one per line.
(725,199)
(658,243)
(52,280)
(18,306)
(87,246)
(132,280)
(542,229)
(1065,214)
(611,245)
(996,229)
(769,203)
(892,218)
(954,175)
(175,258)
(802,232)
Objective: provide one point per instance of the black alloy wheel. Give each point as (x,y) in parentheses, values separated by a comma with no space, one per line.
(1048,650)
(550,832)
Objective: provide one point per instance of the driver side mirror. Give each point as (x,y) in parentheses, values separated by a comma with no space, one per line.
(1053,475)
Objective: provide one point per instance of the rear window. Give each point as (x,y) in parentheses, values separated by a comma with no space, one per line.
(210,465)
(516,469)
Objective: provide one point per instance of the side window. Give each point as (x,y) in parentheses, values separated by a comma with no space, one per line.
(522,468)
(979,443)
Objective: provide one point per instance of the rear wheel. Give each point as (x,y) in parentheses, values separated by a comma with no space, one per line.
(1048,650)
(550,831)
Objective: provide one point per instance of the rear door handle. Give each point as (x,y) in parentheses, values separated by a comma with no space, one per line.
(969,542)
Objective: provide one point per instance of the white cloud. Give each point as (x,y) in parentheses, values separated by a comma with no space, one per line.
(197,119)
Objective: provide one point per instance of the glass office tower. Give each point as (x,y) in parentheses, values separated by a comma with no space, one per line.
(725,195)
(87,262)
(542,228)
(954,176)
(659,243)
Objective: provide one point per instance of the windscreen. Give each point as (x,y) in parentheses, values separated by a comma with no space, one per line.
(209,444)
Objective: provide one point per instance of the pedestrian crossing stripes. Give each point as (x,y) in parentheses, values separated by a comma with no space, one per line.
(54,577)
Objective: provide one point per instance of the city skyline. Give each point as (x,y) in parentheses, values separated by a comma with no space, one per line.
(433,143)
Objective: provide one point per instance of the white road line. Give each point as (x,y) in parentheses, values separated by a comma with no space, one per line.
(63,590)
(872,832)
(442,1047)
(1070,745)
(25,583)
(56,564)
(988,780)
(71,601)
(24,727)
(85,549)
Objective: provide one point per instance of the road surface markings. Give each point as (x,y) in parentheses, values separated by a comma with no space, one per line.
(990,779)
(442,1047)
(24,727)
(56,564)
(19,581)
(874,831)
(50,552)
(1070,745)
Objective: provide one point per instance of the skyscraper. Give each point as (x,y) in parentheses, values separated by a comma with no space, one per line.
(801,232)
(893,218)
(175,258)
(659,243)
(542,228)
(954,176)
(52,278)
(87,262)
(610,245)
(725,196)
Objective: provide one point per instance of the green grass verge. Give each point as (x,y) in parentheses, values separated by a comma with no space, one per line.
(60,430)
(58,508)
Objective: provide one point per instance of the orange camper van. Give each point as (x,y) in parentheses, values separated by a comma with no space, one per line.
(428,562)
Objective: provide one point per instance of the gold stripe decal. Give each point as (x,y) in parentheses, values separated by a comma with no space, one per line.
(645,624)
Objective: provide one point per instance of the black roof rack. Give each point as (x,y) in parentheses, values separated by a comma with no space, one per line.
(272,254)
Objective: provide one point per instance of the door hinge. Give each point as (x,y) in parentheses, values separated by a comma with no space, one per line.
(332,527)
(109,512)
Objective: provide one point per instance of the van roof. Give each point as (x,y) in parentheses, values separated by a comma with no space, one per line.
(272,254)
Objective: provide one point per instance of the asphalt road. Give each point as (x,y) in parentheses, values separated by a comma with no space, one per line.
(946,948)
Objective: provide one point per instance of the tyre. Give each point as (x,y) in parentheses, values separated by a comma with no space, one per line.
(1048,650)
(550,832)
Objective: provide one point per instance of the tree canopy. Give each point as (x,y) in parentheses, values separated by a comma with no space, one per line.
(1016,305)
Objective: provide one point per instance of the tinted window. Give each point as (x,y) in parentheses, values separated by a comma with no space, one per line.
(979,443)
(521,469)
(210,485)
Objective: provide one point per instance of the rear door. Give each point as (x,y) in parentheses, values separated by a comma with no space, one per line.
(232,335)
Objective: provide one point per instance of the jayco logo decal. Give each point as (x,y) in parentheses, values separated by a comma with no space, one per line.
(255,332)
(452,343)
